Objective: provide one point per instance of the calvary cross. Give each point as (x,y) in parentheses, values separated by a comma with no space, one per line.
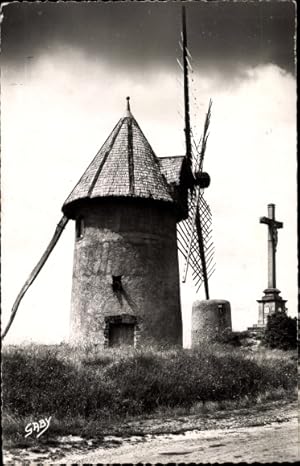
(273,226)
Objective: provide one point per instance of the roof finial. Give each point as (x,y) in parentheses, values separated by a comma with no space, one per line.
(128,112)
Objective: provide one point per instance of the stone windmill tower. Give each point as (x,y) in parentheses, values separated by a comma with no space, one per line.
(125,274)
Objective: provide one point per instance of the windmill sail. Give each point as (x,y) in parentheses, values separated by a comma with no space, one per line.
(194,233)
(187,128)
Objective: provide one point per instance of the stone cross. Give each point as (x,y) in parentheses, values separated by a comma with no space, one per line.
(273,226)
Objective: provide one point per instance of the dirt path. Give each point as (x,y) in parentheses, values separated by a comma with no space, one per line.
(267,432)
(274,442)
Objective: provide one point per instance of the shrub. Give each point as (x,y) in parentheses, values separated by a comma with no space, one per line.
(228,337)
(43,381)
(36,380)
(280,332)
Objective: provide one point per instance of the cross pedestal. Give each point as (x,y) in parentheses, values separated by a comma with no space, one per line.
(271,301)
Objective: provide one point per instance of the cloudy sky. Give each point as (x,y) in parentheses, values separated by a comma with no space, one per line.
(66,70)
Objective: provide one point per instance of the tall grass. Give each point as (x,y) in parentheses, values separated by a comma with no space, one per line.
(41,380)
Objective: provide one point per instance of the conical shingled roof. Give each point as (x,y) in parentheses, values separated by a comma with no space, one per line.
(125,166)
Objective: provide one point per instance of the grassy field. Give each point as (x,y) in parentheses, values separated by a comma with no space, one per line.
(85,391)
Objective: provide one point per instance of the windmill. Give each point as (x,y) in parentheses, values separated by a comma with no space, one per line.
(194,233)
(132,211)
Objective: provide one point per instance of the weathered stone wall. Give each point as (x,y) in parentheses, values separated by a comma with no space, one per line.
(138,242)
(209,319)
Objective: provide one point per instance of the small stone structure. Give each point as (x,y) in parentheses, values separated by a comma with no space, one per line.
(209,320)
(125,275)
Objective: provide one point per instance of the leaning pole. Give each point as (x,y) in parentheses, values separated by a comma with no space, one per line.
(58,231)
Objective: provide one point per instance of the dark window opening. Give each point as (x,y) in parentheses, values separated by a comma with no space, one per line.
(79,228)
(222,316)
(117,283)
(121,334)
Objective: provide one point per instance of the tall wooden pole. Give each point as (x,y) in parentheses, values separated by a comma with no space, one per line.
(187,128)
(202,253)
(58,231)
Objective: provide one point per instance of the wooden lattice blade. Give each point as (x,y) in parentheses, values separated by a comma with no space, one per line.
(188,239)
